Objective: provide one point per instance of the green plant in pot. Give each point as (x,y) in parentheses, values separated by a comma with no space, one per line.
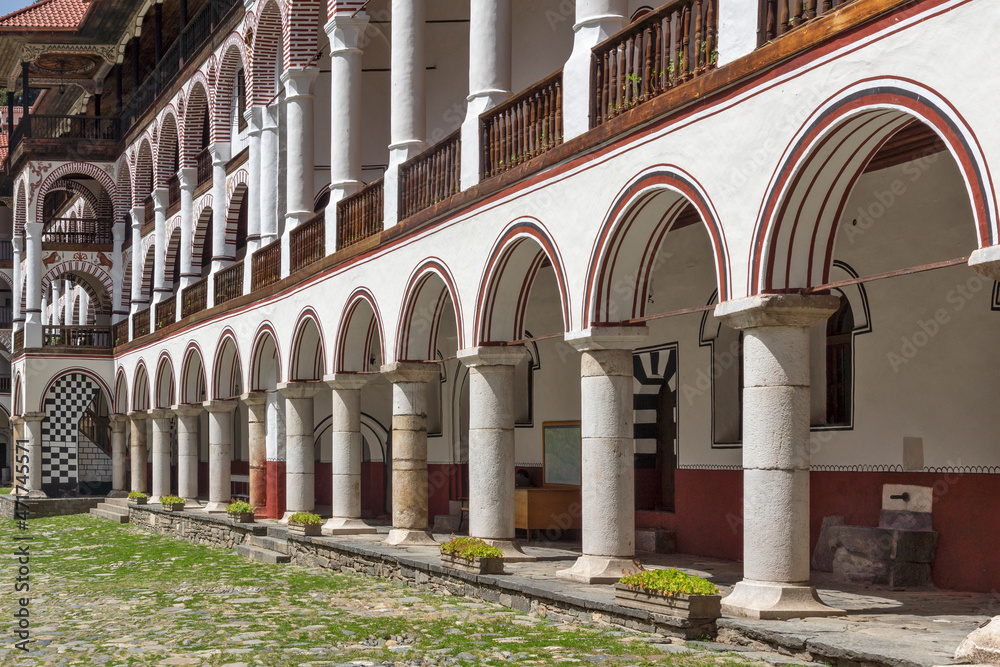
(172,503)
(669,591)
(240,511)
(137,497)
(305,523)
(471,554)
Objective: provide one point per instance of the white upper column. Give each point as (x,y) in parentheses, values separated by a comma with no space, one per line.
(596,20)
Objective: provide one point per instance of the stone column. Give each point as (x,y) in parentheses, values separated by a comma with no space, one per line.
(118,425)
(16,469)
(344,30)
(160,289)
(346,443)
(489,75)
(299,101)
(138,446)
(119,231)
(269,175)
(221,256)
(491,445)
(138,216)
(188,179)
(596,20)
(161,454)
(18,246)
(56,318)
(776,453)
(46,313)
(220,454)
(408,106)
(409,451)
(608,453)
(276,464)
(33,434)
(300,452)
(187,453)
(33,286)
(256,403)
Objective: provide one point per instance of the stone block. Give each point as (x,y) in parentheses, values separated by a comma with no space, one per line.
(826,545)
(658,541)
(982,646)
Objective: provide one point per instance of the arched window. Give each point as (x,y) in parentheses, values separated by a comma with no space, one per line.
(839,365)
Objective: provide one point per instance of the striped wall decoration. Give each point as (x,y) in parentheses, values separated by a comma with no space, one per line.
(651,368)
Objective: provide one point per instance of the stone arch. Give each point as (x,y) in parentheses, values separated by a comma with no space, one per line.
(307,360)
(165,388)
(91,277)
(361,338)
(227,369)
(192,386)
(121,404)
(267,47)
(168,147)
(70,168)
(171,253)
(124,201)
(793,240)
(148,267)
(234,58)
(192,136)
(140,388)
(265,359)
(202,231)
(430,301)
(517,257)
(20,209)
(301,43)
(143,175)
(18,395)
(630,242)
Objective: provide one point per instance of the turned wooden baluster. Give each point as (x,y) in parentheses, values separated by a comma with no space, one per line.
(783,17)
(810,12)
(684,45)
(699,60)
(796,13)
(826,6)
(648,89)
(710,37)
(605,87)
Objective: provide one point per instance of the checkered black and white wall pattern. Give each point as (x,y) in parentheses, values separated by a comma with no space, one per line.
(65,403)
(651,369)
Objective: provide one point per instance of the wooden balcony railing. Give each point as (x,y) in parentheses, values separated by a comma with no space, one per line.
(140,323)
(76,336)
(778,17)
(6,316)
(93,128)
(360,215)
(149,211)
(5,384)
(166,312)
(204,164)
(265,266)
(78,231)
(521,128)
(173,191)
(308,243)
(19,340)
(6,251)
(194,298)
(431,176)
(119,333)
(668,47)
(229,283)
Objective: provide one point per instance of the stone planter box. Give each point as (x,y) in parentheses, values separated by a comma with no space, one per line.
(476,566)
(137,501)
(680,605)
(178,507)
(306,531)
(242,517)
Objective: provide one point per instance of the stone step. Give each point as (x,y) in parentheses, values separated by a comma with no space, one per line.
(270,543)
(262,555)
(110,516)
(279,531)
(112,509)
(117,502)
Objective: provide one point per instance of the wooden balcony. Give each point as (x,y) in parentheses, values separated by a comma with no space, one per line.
(360,215)
(229,283)
(119,333)
(149,212)
(777,18)
(194,298)
(76,336)
(308,243)
(19,340)
(140,323)
(78,231)
(430,177)
(6,317)
(204,165)
(265,266)
(6,254)
(523,127)
(52,137)
(665,48)
(166,312)
(173,195)
(5,384)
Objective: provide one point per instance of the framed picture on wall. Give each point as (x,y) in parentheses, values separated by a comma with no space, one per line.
(562,462)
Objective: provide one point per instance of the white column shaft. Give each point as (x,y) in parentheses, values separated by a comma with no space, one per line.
(161,456)
(269,176)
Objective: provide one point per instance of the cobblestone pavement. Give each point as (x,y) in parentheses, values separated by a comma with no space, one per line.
(107,594)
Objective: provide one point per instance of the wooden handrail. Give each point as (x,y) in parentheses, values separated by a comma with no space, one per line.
(431,176)
(76,336)
(78,231)
(777,18)
(523,127)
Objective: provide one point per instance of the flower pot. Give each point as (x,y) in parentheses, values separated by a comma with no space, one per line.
(475,566)
(681,605)
(178,507)
(137,501)
(314,530)
(242,517)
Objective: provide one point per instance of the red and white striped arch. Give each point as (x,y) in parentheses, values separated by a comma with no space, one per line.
(192,384)
(165,385)
(236,192)
(227,369)
(234,58)
(169,138)
(66,169)
(173,250)
(195,111)
(265,357)
(300,33)
(361,335)
(202,219)
(793,240)
(268,39)
(142,175)
(307,359)
(123,170)
(140,387)
(429,295)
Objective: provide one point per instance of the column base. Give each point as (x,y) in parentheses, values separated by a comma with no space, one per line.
(34,493)
(117,493)
(511,551)
(342,526)
(597,569)
(767,600)
(410,538)
(192,504)
(216,507)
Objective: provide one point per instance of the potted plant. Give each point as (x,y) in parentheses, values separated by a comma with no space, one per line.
(172,503)
(240,511)
(669,592)
(305,523)
(137,498)
(471,554)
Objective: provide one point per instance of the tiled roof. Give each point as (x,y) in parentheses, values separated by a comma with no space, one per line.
(51,14)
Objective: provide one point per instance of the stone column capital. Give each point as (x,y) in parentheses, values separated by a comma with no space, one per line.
(160,198)
(986,262)
(118,423)
(137,415)
(220,406)
(159,413)
(33,416)
(492,355)
(219,152)
(298,81)
(410,371)
(607,338)
(347,380)
(187,409)
(344,31)
(16,420)
(33,230)
(298,389)
(255,120)
(254,398)
(188,178)
(18,244)
(777,310)
(118,232)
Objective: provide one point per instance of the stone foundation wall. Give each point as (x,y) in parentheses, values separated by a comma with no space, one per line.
(200,529)
(95,465)
(44,507)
